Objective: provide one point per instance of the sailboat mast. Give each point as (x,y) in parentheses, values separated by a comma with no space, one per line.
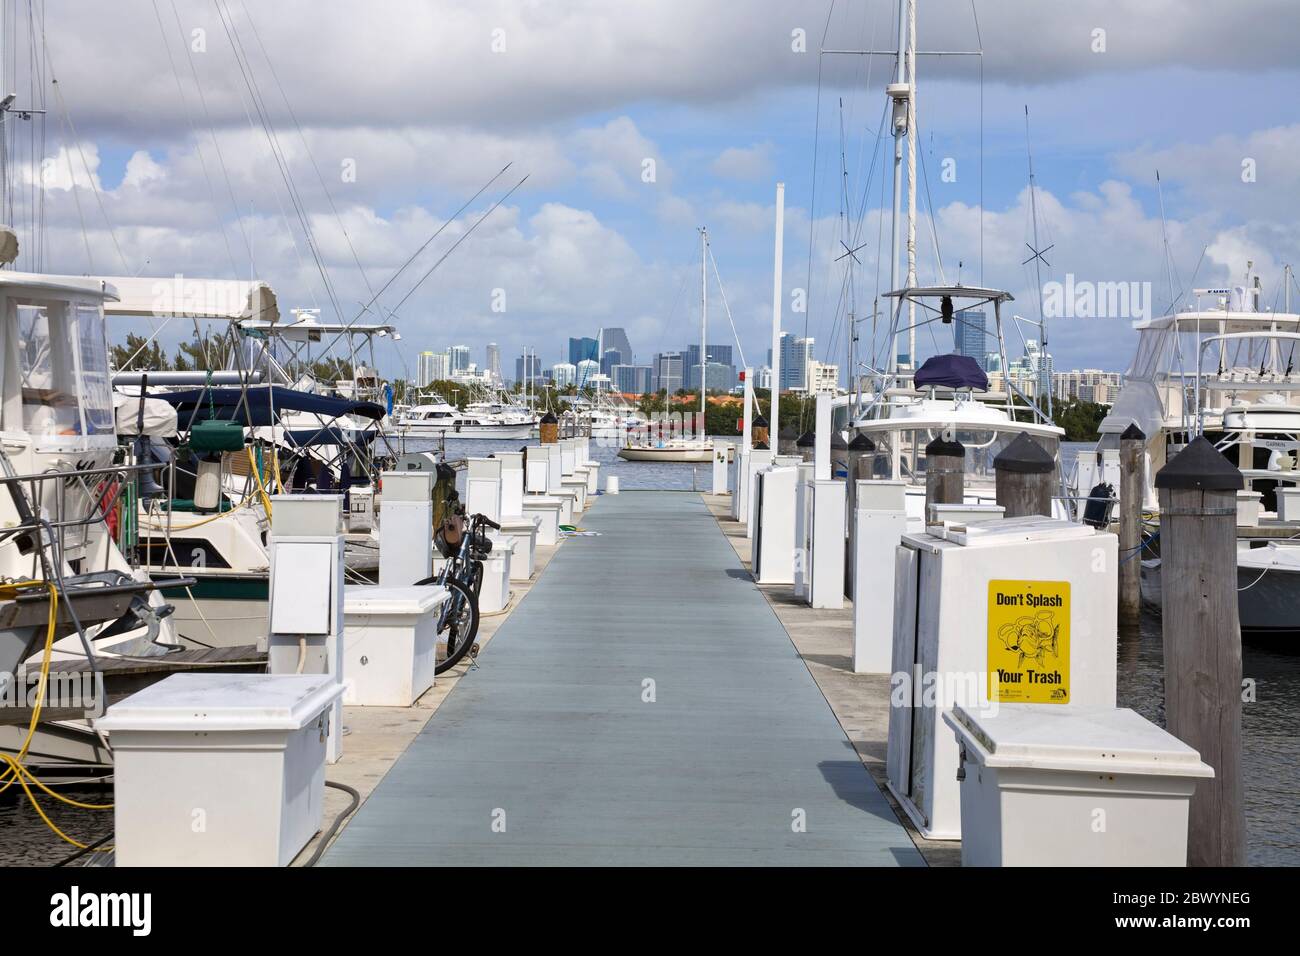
(899,94)
(704,324)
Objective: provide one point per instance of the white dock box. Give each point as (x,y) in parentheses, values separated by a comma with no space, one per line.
(389,643)
(1030,602)
(1288,503)
(1072,786)
(219,769)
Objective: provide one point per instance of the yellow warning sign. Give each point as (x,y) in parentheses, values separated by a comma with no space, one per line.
(1029,642)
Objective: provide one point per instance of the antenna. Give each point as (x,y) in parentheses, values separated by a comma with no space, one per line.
(1037,259)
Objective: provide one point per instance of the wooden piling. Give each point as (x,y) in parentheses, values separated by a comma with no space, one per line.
(1023,481)
(758,432)
(787,441)
(945,473)
(806,445)
(548,429)
(1132,488)
(1202,641)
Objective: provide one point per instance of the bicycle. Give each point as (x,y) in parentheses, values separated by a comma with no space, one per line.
(465,549)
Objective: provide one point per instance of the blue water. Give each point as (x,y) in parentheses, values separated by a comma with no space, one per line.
(655,476)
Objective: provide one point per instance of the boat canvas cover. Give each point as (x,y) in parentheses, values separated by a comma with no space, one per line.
(159,417)
(951,371)
(253,407)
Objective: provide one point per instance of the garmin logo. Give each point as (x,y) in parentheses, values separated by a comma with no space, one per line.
(75,909)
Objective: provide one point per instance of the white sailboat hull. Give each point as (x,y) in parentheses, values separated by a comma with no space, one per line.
(503,430)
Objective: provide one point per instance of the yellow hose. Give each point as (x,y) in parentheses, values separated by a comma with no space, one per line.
(16,772)
(257,475)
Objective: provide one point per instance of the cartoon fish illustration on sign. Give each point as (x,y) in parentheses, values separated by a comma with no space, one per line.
(1031,637)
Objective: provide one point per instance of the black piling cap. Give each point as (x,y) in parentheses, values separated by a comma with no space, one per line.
(861,443)
(1133,433)
(948,449)
(1024,456)
(807,440)
(838,442)
(549,419)
(759,422)
(1200,466)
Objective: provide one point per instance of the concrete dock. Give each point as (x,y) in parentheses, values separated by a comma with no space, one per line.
(643,705)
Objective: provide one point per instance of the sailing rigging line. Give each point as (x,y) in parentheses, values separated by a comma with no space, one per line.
(726,308)
(94,186)
(198,146)
(437,232)
(979,43)
(461,239)
(250,81)
(812,204)
(306,147)
(212,133)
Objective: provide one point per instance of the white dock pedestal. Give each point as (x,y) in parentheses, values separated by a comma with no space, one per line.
(803,531)
(826,548)
(568,499)
(774,504)
(405,528)
(578,487)
(244,754)
(721,455)
(305,609)
(593,477)
(1039,779)
(495,594)
(881,517)
(1021,600)
(523,558)
(389,643)
(759,459)
(547,509)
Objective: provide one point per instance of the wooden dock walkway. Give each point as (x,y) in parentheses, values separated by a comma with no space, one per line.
(643,706)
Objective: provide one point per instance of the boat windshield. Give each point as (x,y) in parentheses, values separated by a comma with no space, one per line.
(900,453)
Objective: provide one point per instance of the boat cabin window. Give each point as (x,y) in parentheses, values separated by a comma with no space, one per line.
(58,350)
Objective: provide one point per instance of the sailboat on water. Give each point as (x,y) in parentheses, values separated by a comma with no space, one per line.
(646,445)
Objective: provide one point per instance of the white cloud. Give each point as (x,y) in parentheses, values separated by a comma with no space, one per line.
(748,163)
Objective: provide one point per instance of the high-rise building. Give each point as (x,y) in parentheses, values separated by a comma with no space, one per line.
(715,355)
(666,372)
(586,371)
(564,374)
(616,338)
(459,358)
(432,367)
(1039,365)
(528,369)
(611,357)
(795,355)
(582,349)
(968,333)
(493,364)
(1087,385)
(631,379)
(823,378)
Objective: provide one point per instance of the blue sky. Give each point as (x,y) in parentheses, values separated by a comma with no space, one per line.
(584,92)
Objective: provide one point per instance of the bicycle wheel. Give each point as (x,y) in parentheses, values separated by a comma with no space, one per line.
(459,621)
